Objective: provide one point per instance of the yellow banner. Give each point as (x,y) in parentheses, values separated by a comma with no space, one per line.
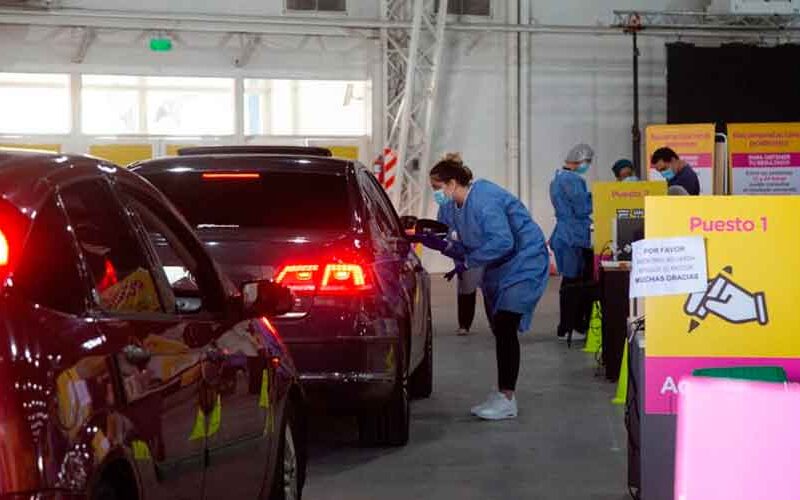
(764,158)
(51,148)
(695,144)
(122,154)
(750,308)
(608,198)
(346,152)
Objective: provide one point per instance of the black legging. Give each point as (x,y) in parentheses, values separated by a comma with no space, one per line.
(505,326)
(576,298)
(466,309)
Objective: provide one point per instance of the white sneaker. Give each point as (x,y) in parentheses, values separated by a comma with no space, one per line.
(489,401)
(499,409)
(462,332)
(578,336)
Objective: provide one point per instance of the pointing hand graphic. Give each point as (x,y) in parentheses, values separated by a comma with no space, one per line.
(728,301)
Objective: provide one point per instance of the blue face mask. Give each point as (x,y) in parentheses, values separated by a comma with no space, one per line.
(631,178)
(583,168)
(440,197)
(668,174)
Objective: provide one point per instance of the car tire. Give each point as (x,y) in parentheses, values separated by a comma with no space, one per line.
(389,426)
(289,475)
(421,383)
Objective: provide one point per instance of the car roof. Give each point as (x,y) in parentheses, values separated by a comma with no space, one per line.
(256,149)
(249,162)
(28,177)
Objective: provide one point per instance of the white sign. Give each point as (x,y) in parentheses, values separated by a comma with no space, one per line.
(669,266)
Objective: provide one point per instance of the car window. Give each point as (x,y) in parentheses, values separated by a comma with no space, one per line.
(180,268)
(48,273)
(116,261)
(293,200)
(380,207)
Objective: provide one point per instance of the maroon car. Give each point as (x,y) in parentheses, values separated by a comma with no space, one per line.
(131,367)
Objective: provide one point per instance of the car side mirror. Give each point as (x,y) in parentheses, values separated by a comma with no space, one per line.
(432,227)
(265,298)
(409,222)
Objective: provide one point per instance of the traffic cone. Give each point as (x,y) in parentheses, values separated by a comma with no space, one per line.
(622,383)
(594,338)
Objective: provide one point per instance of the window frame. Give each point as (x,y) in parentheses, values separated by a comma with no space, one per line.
(81,267)
(94,307)
(459,15)
(376,196)
(208,280)
(315,11)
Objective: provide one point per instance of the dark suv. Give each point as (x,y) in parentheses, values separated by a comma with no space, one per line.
(131,368)
(360,329)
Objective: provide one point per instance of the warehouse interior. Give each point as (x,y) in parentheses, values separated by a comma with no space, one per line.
(511,85)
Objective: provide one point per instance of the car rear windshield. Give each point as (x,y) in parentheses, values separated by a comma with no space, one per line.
(258,199)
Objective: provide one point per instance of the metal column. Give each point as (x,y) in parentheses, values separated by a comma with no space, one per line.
(411,72)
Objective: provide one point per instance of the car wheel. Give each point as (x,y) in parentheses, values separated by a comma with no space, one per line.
(287,482)
(421,383)
(390,425)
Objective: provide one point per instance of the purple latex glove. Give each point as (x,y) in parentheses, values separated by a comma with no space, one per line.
(458,270)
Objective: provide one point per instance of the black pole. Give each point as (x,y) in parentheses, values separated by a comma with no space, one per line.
(636,134)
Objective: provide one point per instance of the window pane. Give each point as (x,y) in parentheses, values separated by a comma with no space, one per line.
(301,4)
(332,5)
(116,262)
(115,104)
(230,203)
(331,108)
(308,107)
(25,99)
(187,296)
(48,273)
(110,111)
(184,112)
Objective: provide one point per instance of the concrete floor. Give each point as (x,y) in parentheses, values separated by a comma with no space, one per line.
(568,442)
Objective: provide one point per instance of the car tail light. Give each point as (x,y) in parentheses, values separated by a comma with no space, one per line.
(330,278)
(221,176)
(4,250)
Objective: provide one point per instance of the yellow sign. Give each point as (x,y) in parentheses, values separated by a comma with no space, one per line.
(122,154)
(610,199)
(754,243)
(346,152)
(695,144)
(50,148)
(748,315)
(764,158)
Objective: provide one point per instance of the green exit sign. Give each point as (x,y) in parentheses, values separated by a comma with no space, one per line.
(160,44)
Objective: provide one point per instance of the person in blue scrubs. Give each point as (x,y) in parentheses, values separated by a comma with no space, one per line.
(468,282)
(571,241)
(495,232)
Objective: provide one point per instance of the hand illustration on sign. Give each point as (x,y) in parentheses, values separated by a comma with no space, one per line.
(728,301)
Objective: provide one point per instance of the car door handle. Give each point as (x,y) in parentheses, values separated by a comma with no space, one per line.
(136,355)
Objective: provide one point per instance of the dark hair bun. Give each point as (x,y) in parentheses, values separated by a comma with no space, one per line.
(451,167)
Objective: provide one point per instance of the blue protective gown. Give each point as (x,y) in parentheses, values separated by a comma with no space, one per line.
(497,232)
(572,202)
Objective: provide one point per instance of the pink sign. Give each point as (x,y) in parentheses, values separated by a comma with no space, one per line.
(664,376)
(766,173)
(737,441)
(700,160)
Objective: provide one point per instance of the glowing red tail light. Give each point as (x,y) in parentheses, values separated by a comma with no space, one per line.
(4,250)
(222,176)
(333,278)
